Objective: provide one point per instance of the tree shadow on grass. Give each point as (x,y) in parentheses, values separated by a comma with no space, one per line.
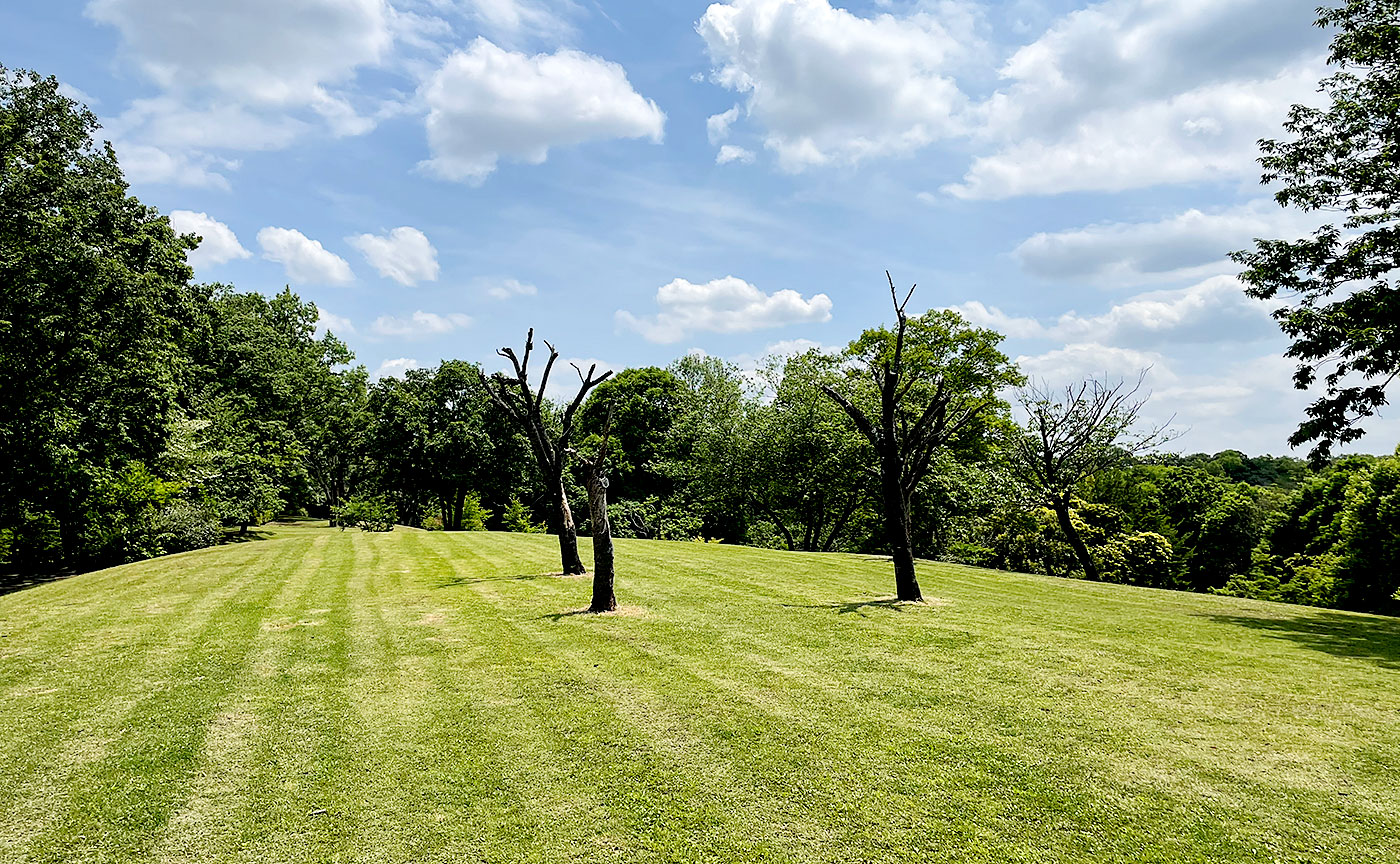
(1375,639)
(12,582)
(858,607)
(253,535)
(458,581)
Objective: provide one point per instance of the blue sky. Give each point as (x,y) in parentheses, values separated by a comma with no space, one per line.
(638,180)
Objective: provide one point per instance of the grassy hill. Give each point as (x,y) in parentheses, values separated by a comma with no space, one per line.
(432,697)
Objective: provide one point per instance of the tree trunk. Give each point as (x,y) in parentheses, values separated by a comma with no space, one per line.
(1076,542)
(569,562)
(603,598)
(906,583)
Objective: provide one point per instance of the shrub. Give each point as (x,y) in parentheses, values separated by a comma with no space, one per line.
(183,525)
(516,518)
(368,514)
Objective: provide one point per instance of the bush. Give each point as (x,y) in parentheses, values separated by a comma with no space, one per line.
(1144,558)
(653,519)
(368,514)
(516,518)
(474,515)
(183,525)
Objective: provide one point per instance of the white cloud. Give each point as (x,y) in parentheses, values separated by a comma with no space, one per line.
(486,104)
(1213,311)
(1132,93)
(250,75)
(717,125)
(145,163)
(1122,251)
(279,52)
(218,243)
(1080,360)
(333,323)
(403,254)
(829,86)
(396,367)
(304,259)
(727,305)
(504,289)
(420,324)
(513,19)
(730,153)
(1146,144)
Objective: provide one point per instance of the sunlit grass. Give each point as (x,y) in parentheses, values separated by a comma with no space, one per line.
(429,697)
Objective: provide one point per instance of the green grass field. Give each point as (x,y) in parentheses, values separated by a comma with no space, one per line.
(428,697)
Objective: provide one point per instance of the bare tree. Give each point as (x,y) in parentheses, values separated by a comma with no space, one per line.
(1072,436)
(550,446)
(595,478)
(925,402)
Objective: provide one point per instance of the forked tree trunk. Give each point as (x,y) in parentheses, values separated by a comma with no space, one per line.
(604,600)
(564,526)
(1076,542)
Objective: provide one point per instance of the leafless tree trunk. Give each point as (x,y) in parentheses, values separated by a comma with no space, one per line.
(527,407)
(595,475)
(1071,437)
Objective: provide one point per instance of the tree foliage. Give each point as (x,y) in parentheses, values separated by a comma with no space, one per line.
(1340,298)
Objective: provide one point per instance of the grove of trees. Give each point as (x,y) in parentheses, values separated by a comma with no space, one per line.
(142,413)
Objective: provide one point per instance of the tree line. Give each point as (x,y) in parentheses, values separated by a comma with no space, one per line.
(143,413)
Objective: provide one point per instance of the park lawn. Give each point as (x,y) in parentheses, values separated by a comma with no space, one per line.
(428,697)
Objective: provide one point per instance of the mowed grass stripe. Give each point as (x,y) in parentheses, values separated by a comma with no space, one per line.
(93,696)
(558,755)
(431,694)
(117,805)
(220,816)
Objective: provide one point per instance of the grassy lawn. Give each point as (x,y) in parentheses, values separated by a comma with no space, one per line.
(429,697)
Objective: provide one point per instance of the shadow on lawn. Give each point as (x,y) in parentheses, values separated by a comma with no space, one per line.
(1376,639)
(858,607)
(458,581)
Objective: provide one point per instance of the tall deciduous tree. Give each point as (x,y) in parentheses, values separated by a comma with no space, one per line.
(911,391)
(95,309)
(1342,301)
(1073,436)
(548,441)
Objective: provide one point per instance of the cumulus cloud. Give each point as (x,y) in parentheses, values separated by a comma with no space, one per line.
(730,153)
(727,305)
(504,289)
(420,325)
(218,243)
(304,260)
(1215,310)
(1150,143)
(329,322)
(1132,93)
(396,367)
(1138,250)
(266,51)
(486,103)
(403,254)
(251,75)
(825,85)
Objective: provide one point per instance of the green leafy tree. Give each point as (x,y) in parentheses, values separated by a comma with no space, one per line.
(807,467)
(95,313)
(1341,301)
(645,402)
(928,384)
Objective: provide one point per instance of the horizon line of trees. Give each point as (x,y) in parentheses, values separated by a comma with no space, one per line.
(144,413)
